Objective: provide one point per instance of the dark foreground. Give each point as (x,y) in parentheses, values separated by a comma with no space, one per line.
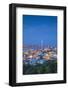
(47,67)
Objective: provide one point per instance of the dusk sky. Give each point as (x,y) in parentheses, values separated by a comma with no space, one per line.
(40,28)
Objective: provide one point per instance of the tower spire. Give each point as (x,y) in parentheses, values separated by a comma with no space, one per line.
(41,44)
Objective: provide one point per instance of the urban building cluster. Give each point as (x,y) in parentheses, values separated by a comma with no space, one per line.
(40,54)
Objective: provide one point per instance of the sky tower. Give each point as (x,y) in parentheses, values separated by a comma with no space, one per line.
(41,44)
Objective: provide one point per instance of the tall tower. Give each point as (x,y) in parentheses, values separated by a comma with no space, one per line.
(41,44)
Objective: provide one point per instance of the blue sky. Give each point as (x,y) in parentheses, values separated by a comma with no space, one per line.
(37,28)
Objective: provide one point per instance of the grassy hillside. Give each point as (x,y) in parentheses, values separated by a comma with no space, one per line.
(46,67)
